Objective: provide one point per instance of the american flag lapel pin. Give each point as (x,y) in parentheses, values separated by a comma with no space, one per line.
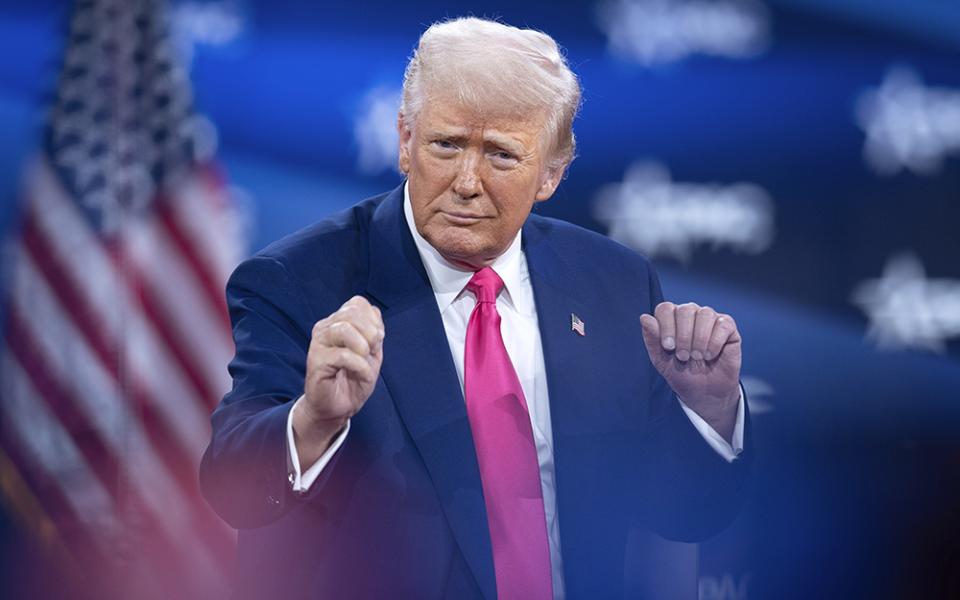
(576,324)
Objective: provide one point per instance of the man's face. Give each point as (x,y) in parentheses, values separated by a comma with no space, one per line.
(473,179)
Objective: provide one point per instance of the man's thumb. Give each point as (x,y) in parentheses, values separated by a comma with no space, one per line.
(651,333)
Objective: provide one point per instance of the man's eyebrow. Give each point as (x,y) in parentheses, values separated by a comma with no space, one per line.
(505,141)
(447,133)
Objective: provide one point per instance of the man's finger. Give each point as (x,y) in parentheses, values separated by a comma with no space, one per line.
(358,301)
(686,314)
(652,339)
(668,326)
(702,330)
(723,329)
(345,335)
(336,358)
(363,306)
(359,313)
(651,331)
(367,323)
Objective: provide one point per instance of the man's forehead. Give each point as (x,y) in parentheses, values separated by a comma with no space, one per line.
(495,125)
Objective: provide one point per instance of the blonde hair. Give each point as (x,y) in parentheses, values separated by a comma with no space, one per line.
(483,62)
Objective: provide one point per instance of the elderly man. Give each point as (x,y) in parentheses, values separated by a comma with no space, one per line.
(438,394)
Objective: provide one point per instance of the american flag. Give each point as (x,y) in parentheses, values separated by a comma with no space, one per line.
(116,332)
(577,325)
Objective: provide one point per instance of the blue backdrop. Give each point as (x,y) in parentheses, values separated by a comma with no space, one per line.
(822,136)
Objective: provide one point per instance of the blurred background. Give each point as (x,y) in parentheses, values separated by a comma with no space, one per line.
(795,163)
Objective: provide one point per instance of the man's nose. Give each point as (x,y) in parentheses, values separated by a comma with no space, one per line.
(467,184)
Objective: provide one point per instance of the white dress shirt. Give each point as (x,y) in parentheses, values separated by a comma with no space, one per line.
(521,336)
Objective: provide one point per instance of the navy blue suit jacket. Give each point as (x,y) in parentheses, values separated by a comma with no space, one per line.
(399,511)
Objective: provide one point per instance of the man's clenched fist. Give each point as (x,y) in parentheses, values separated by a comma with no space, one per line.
(697,350)
(343,364)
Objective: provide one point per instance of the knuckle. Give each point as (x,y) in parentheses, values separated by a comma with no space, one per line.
(358,300)
(664,308)
(726,321)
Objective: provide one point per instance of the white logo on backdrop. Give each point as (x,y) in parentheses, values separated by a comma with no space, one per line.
(909,125)
(654,215)
(726,587)
(217,23)
(907,310)
(375,131)
(652,32)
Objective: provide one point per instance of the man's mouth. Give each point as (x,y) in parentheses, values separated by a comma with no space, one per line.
(462,218)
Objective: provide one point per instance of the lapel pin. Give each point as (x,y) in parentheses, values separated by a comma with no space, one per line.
(576,324)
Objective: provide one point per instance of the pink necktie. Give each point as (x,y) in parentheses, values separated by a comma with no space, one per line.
(506,452)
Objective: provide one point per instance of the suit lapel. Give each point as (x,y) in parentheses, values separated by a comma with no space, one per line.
(572,389)
(418,371)
(557,299)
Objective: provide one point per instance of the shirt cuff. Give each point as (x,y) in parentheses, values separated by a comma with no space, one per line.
(301,482)
(716,441)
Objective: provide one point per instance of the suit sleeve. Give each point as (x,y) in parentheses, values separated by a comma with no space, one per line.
(699,493)
(244,471)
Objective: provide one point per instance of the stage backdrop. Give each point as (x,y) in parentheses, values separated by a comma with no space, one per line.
(795,163)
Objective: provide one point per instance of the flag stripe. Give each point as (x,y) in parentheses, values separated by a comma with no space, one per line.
(62,404)
(31,430)
(179,463)
(204,212)
(86,319)
(69,246)
(159,317)
(119,335)
(82,547)
(187,314)
(184,468)
(204,279)
(96,451)
(81,314)
(98,394)
(157,431)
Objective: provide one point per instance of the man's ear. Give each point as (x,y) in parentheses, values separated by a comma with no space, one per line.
(405,134)
(551,179)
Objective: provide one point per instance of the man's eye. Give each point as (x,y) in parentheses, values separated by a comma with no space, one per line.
(502,158)
(444,144)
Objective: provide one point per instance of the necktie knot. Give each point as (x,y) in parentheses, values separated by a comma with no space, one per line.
(485,285)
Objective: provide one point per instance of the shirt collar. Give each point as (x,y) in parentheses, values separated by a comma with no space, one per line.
(448,280)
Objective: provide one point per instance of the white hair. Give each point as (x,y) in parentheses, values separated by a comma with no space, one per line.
(484,63)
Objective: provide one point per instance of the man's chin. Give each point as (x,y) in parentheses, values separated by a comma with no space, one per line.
(467,257)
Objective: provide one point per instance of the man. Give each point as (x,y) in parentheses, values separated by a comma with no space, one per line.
(439,395)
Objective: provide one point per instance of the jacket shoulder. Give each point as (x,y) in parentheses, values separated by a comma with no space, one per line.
(588,249)
(332,234)
(326,261)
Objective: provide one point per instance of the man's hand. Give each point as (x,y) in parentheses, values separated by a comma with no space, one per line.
(343,364)
(697,350)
